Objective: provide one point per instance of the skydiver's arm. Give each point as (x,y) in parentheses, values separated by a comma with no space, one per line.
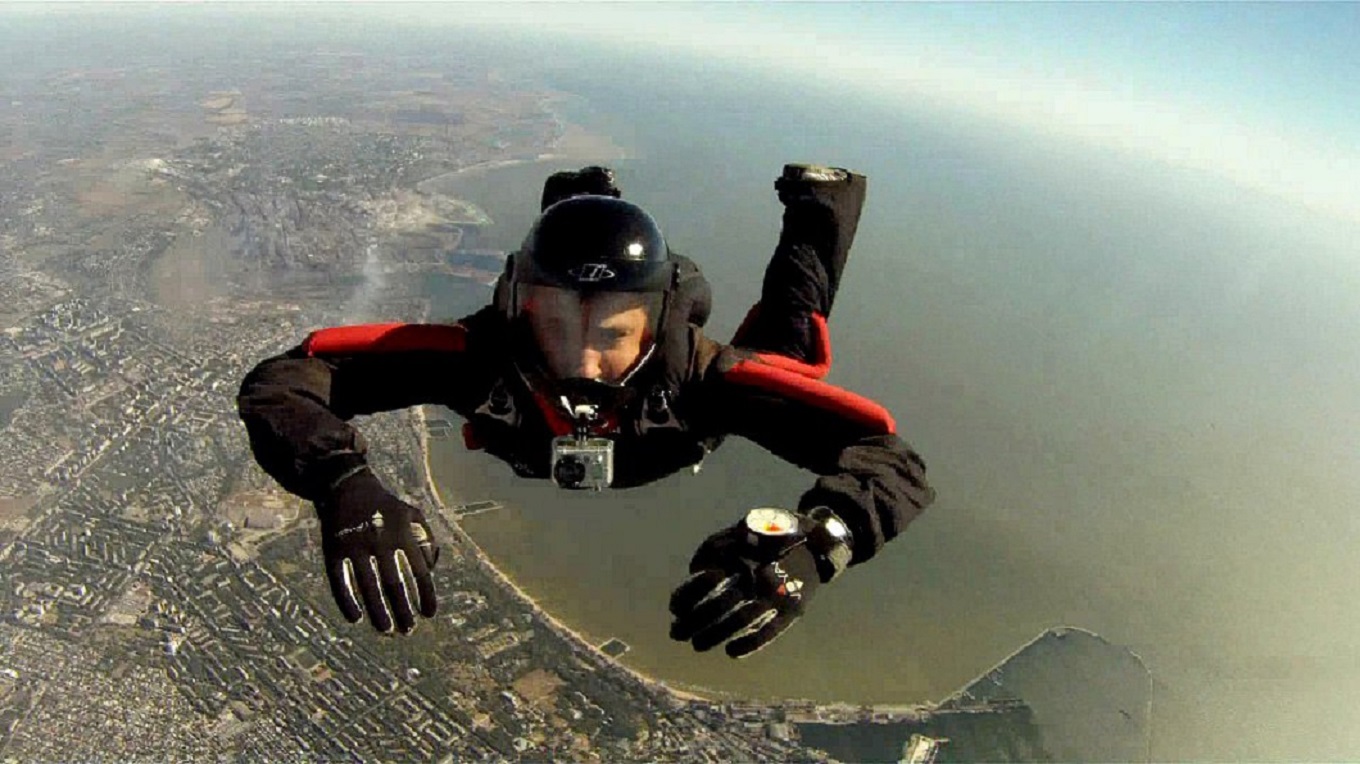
(296,406)
(872,479)
(821,216)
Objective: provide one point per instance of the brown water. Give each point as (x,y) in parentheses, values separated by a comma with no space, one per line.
(1138,393)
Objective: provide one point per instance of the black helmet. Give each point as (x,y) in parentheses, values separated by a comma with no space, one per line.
(595,243)
(597,248)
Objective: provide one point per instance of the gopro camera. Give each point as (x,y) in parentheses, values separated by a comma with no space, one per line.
(583,463)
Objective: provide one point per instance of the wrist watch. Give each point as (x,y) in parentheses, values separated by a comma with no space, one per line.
(772,531)
(772,521)
(830,541)
(812,173)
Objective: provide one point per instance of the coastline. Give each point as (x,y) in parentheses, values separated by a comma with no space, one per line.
(436,499)
(573,143)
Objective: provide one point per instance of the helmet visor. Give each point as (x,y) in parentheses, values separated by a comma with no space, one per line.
(600,336)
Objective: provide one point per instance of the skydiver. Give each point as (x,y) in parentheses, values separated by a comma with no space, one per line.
(590,367)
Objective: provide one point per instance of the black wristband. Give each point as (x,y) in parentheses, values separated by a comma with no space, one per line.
(830,541)
(327,476)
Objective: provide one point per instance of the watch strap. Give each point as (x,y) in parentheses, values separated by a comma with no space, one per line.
(830,541)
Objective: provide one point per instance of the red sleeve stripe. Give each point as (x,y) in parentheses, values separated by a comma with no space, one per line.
(386,338)
(820,351)
(814,393)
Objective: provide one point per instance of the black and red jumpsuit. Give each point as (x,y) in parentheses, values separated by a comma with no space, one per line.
(765,386)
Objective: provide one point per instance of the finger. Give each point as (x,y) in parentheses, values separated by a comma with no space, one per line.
(730,624)
(418,566)
(395,591)
(418,582)
(696,588)
(744,644)
(424,539)
(720,602)
(367,574)
(341,575)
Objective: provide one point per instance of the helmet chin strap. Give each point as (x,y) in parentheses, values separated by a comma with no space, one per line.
(586,402)
(639,363)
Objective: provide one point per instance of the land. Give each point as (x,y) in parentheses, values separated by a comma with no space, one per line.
(163,597)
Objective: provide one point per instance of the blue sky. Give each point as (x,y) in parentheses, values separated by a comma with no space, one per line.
(1264,95)
(1297,62)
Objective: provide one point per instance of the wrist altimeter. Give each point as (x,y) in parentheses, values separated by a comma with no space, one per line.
(773,531)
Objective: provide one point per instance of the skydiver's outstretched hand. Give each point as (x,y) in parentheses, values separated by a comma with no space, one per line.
(798,182)
(380,550)
(587,180)
(749,583)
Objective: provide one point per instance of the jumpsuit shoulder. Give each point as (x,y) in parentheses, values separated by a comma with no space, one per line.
(361,369)
(753,387)
(470,334)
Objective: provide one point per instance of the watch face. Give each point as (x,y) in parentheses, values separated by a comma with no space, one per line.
(769,521)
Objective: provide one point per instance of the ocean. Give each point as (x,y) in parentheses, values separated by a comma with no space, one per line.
(1134,386)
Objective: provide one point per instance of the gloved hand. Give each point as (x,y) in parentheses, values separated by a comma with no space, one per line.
(587,180)
(798,181)
(377,546)
(749,583)
(822,206)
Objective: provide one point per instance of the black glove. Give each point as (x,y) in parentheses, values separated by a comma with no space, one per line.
(800,181)
(822,207)
(749,583)
(378,545)
(587,180)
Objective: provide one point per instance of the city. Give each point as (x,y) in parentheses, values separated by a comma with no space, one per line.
(154,603)
(163,597)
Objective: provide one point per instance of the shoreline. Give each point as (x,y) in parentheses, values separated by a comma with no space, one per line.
(573,143)
(562,629)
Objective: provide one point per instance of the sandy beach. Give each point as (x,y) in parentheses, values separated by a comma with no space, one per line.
(436,499)
(574,143)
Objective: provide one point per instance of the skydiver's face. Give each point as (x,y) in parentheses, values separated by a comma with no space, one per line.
(598,337)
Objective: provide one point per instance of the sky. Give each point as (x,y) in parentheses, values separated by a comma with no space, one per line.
(1162,393)
(1261,95)
(1266,95)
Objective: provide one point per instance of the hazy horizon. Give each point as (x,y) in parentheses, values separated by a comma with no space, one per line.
(1105,280)
(1132,381)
